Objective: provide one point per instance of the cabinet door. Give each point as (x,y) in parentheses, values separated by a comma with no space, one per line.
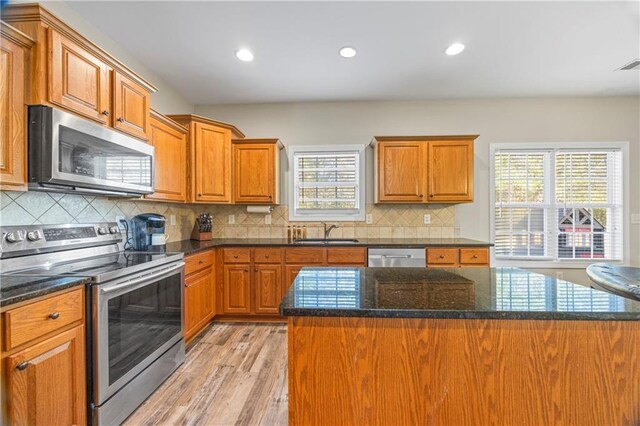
(237,289)
(170,161)
(401,171)
(130,106)
(46,381)
(13,142)
(450,171)
(254,173)
(198,302)
(212,164)
(78,80)
(268,288)
(290,274)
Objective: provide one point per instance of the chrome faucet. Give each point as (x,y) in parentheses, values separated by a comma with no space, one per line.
(327,230)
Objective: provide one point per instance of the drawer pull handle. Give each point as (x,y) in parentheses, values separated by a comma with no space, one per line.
(200,262)
(441,256)
(475,256)
(105,113)
(22,365)
(235,256)
(120,120)
(54,315)
(266,256)
(246,270)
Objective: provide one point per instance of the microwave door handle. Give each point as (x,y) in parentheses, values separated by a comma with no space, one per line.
(144,279)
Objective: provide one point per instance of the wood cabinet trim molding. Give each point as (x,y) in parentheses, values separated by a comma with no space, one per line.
(15,35)
(168,121)
(34,12)
(189,118)
(377,139)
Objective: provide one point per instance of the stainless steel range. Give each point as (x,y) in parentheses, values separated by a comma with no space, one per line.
(135,299)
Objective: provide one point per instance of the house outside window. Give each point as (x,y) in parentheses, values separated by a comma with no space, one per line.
(557,203)
(326,183)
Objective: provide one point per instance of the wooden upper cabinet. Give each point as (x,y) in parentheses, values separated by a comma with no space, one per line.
(14,48)
(170,169)
(255,171)
(130,106)
(210,162)
(401,168)
(450,171)
(423,169)
(78,80)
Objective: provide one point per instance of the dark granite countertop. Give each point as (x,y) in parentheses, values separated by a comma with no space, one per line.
(467,293)
(18,288)
(190,246)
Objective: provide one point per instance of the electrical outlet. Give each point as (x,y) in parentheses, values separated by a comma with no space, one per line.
(172,220)
(427,219)
(369,218)
(120,225)
(267,219)
(232,219)
(635,218)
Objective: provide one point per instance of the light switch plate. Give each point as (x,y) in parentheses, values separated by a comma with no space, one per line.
(232,219)
(369,219)
(427,219)
(635,218)
(172,219)
(267,219)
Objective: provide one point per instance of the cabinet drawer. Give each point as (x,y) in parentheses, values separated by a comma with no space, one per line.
(197,262)
(267,255)
(237,255)
(34,320)
(304,255)
(347,256)
(442,256)
(474,256)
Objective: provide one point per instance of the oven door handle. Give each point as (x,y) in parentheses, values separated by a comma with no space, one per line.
(143,279)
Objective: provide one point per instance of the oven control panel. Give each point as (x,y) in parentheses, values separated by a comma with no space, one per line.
(31,239)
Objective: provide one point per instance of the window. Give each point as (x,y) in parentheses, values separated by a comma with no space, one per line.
(557,203)
(327,183)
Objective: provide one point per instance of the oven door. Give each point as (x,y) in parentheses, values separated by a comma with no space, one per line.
(71,151)
(136,320)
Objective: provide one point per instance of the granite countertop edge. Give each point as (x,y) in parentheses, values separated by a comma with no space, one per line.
(48,287)
(441,314)
(191,246)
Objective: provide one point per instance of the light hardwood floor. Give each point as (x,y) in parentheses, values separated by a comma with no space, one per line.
(235,374)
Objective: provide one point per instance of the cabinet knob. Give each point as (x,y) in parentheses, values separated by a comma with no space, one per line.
(54,315)
(246,270)
(120,120)
(266,256)
(430,195)
(105,113)
(420,195)
(199,195)
(441,256)
(22,365)
(256,270)
(200,262)
(474,256)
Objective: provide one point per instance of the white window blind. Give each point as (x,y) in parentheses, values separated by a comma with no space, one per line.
(327,184)
(558,204)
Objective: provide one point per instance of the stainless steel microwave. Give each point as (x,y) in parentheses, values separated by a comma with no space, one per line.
(71,154)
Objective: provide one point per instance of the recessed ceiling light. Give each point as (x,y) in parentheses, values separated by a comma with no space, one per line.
(347,52)
(244,55)
(454,49)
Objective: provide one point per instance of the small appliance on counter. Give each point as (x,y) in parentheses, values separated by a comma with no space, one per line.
(148,233)
(202,228)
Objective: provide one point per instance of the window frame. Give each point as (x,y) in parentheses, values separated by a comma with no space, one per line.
(550,262)
(321,216)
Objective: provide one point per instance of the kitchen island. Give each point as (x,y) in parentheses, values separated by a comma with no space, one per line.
(459,346)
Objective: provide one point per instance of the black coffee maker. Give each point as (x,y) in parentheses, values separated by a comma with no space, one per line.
(148,232)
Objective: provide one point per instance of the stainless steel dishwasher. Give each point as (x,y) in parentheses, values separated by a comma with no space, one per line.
(397,258)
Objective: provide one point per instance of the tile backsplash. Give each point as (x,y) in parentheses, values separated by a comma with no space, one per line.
(389,221)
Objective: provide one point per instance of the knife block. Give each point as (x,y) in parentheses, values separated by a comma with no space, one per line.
(200,236)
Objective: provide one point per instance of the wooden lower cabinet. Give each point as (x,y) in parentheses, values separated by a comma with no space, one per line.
(454,257)
(44,372)
(199,292)
(268,289)
(198,302)
(237,289)
(290,274)
(46,381)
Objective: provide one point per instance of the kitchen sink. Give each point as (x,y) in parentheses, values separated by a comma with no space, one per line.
(326,241)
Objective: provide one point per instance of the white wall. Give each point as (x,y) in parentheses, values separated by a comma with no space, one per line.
(497,121)
(166,101)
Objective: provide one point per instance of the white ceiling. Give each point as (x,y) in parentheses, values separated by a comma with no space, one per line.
(513,49)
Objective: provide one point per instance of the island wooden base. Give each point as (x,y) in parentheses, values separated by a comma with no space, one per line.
(384,371)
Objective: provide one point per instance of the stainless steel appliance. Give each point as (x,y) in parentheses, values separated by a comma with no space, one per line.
(148,232)
(397,258)
(71,154)
(134,332)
